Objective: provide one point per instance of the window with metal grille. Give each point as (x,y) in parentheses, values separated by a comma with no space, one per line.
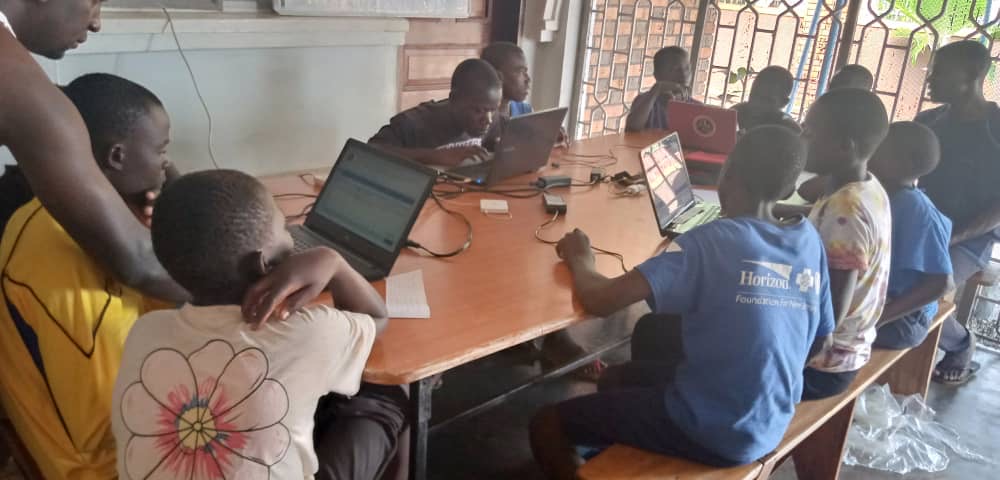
(892,38)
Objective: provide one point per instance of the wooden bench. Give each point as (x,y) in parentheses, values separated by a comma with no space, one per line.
(816,437)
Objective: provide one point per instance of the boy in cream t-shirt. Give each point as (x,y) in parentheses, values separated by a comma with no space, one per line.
(203,394)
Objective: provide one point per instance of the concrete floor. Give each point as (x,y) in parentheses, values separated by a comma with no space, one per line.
(495,444)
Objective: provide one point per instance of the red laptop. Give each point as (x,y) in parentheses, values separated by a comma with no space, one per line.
(708,133)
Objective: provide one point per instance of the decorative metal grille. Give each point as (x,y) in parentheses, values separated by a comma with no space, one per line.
(800,35)
(622,37)
(892,38)
(984,313)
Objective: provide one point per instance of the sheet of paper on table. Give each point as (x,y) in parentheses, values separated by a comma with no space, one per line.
(405,296)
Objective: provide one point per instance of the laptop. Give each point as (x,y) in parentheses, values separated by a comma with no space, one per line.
(708,133)
(675,205)
(524,147)
(366,209)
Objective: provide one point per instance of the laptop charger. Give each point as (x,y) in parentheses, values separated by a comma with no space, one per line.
(553,203)
(596,174)
(554,181)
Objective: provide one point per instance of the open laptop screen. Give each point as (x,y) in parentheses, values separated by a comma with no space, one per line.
(667,178)
(373,196)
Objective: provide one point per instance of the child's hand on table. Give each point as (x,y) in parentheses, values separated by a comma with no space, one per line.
(574,249)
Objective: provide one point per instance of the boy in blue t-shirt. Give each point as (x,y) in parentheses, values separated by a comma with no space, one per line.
(512,66)
(749,295)
(921,267)
(510,63)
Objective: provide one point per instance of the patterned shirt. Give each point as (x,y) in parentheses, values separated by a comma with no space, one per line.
(202,395)
(855,223)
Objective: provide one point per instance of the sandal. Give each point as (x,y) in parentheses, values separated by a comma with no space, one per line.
(957,368)
(590,372)
(955,376)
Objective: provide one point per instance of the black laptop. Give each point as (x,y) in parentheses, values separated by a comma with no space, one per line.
(525,145)
(366,208)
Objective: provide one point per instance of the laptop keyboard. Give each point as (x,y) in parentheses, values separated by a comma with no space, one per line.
(701,214)
(304,241)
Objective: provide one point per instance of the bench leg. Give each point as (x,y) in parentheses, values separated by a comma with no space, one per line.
(819,457)
(911,374)
(420,416)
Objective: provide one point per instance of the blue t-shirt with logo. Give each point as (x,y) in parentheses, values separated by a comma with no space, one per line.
(920,238)
(753,297)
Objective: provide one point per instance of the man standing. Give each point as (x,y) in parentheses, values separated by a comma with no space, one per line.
(50,144)
(964,185)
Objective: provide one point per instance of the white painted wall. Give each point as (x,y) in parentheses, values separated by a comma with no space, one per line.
(552,64)
(274,109)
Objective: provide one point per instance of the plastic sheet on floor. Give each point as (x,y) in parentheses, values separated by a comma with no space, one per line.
(899,434)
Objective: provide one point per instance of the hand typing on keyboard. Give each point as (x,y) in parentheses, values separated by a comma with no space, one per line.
(451,157)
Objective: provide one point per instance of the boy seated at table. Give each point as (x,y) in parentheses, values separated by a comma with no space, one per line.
(770,93)
(852,76)
(746,296)
(65,317)
(200,389)
(444,133)
(921,266)
(512,67)
(672,71)
(842,130)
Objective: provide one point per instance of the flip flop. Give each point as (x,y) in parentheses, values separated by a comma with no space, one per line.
(590,372)
(941,375)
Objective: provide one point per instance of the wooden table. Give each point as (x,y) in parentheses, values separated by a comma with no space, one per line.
(508,287)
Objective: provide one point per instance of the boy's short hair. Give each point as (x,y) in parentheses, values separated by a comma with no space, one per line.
(768,160)
(664,55)
(856,114)
(498,54)
(204,224)
(916,146)
(969,54)
(110,106)
(474,76)
(853,76)
(773,81)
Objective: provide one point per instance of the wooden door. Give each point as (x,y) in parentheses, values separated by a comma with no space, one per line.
(432,50)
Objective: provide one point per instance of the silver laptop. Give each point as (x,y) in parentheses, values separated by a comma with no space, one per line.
(366,208)
(525,145)
(675,205)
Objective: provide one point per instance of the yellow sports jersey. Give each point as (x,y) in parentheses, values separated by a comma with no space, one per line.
(62,330)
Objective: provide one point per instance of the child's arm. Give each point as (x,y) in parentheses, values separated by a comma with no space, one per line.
(812,189)
(842,286)
(298,280)
(784,210)
(930,288)
(598,294)
(638,115)
(986,221)
(445,157)
(352,292)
